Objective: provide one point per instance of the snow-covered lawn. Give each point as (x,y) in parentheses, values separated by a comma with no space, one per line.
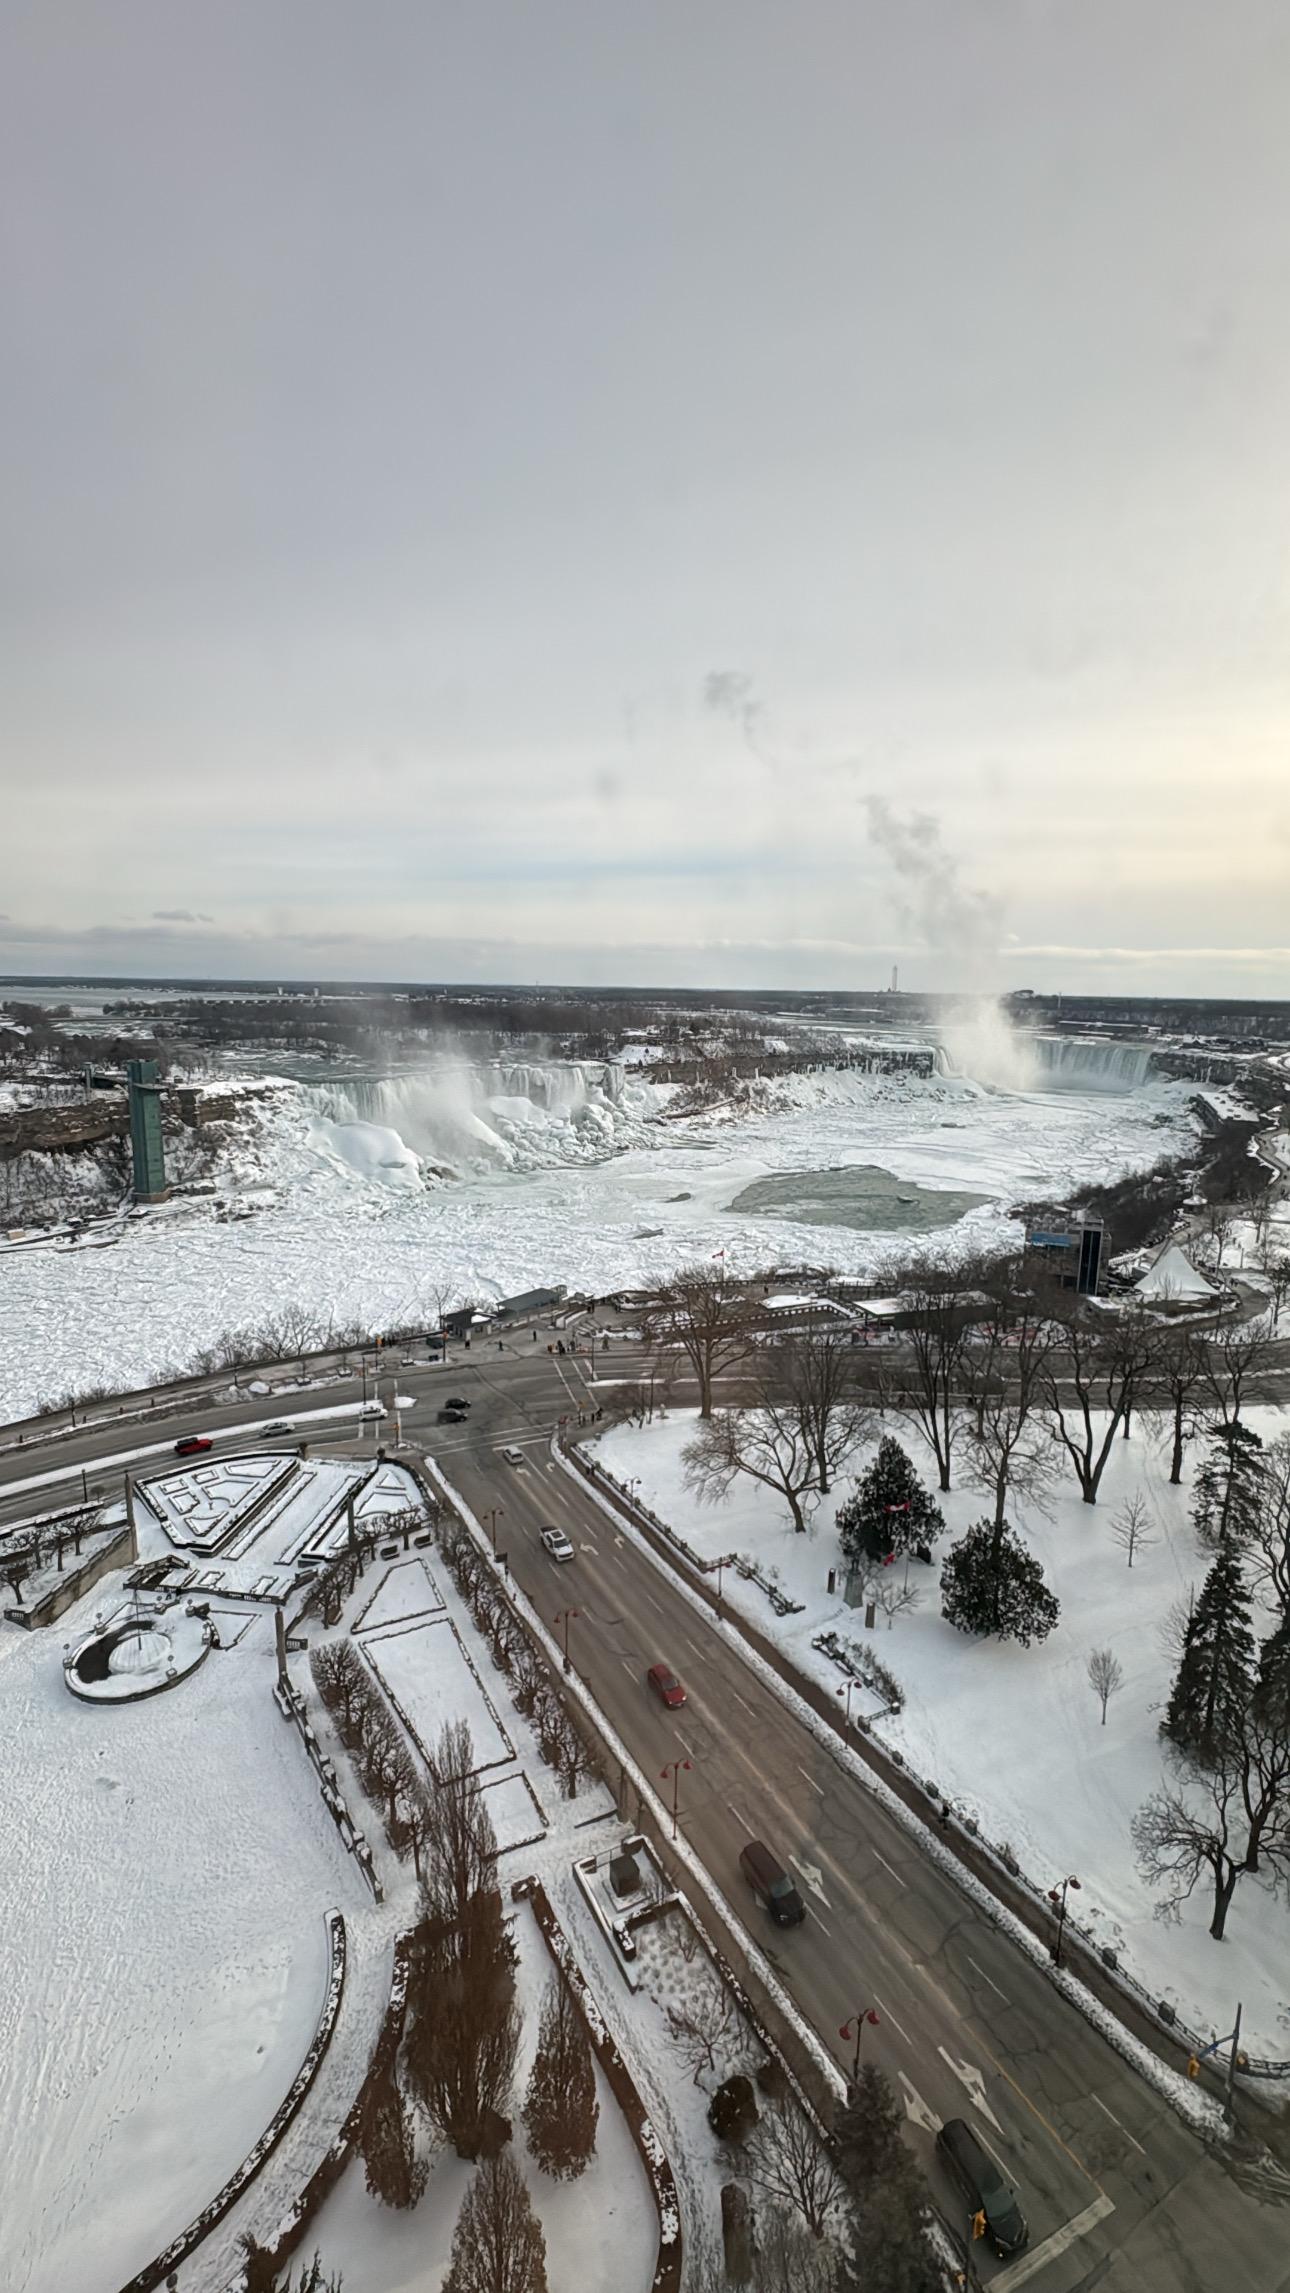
(600,2230)
(424,1669)
(167,1868)
(1013,1735)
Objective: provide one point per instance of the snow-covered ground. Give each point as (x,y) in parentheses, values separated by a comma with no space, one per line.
(332,1237)
(1013,1735)
(162,1961)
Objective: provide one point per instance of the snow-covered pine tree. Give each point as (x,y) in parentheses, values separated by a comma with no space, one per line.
(1215,1677)
(1229,1494)
(991,1584)
(889,1510)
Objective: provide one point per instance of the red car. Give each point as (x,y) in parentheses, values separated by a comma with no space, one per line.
(192,1445)
(666,1686)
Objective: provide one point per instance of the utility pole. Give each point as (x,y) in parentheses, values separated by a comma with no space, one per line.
(495,1514)
(1058,1898)
(563,1617)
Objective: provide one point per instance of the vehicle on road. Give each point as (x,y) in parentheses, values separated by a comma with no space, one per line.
(448,1415)
(279,1426)
(513,1456)
(975,2173)
(771,1884)
(557,1545)
(372,1409)
(663,1680)
(455,1401)
(192,1444)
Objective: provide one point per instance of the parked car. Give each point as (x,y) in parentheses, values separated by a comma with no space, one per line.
(666,1686)
(771,1884)
(279,1426)
(192,1444)
(557,1544)
(513,1456)
(975,2173)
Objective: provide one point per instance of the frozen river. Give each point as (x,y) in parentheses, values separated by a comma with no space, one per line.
(366,1238)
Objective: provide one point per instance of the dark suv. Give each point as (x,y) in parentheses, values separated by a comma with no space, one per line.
(771,1884)
(983,2185)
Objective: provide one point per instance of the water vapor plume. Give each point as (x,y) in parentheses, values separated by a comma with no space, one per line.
(949,916)
(963,925)
(729,693)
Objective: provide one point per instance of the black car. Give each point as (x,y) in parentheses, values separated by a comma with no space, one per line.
(455,1401)
(983,2185)
(450,1414)
(771,1884)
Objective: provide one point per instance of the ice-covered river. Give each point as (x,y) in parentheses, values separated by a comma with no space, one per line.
(350,1229)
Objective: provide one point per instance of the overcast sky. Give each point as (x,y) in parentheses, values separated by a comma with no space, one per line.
(498,490)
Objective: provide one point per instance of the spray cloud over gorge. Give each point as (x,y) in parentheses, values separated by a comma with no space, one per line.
(961,925)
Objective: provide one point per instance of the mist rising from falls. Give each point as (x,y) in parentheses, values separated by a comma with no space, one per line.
(982,1044)
(500,1115)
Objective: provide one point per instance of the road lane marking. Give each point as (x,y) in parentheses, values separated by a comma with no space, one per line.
(1117,2122)
(1046,2123)
(1020,2272)
(917,2109)
(744,1701)
(892,2018)
(809,1779)
(990,1979)
(738,1811)
(968,2075)
(817,1921)
(688,1749)
(887,1867)
(814,1879)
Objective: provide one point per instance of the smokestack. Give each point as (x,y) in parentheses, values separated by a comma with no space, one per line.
(895,975)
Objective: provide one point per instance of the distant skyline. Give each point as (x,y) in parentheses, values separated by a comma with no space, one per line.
(735,497)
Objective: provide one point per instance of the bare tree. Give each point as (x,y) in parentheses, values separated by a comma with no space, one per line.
(1227,1820)
(498,2246)
(766,1443)
(1179,1376)
(790,2165)
(1269,1546)
(700,1313)
(1232,1361)
(1132,1529)
(702,2026)
(894,1594)
(1274,1263)
(817,1372)
(1091,1387)
(936,1340)
(1105,1675)
(460,1848)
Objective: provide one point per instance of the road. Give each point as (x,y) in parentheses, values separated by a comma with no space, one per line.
(1119,2194)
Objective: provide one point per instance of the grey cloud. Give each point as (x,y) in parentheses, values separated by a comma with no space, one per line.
(179,916)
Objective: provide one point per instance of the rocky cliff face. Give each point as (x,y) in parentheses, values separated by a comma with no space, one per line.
(72,1159)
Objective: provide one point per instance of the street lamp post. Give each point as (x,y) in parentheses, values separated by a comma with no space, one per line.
(858,2020)
(848,1690)
(1057,1897)
(673,1769)
(564,1616)
(494,1514)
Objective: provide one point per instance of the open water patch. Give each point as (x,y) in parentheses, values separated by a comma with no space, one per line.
(857,1194)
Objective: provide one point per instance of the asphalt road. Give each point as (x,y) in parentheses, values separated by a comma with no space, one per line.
(1118,2193)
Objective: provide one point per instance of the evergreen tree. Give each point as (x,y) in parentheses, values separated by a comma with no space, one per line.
(1215,1676)
(889,1510)
(463,2026)
(887,2199)
(560,2108)
(991,1584)
(1272,1689)
(394,2172)
(1228,1502)
(497,2246)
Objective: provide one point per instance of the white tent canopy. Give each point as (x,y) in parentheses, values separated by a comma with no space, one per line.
(1173,1276)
